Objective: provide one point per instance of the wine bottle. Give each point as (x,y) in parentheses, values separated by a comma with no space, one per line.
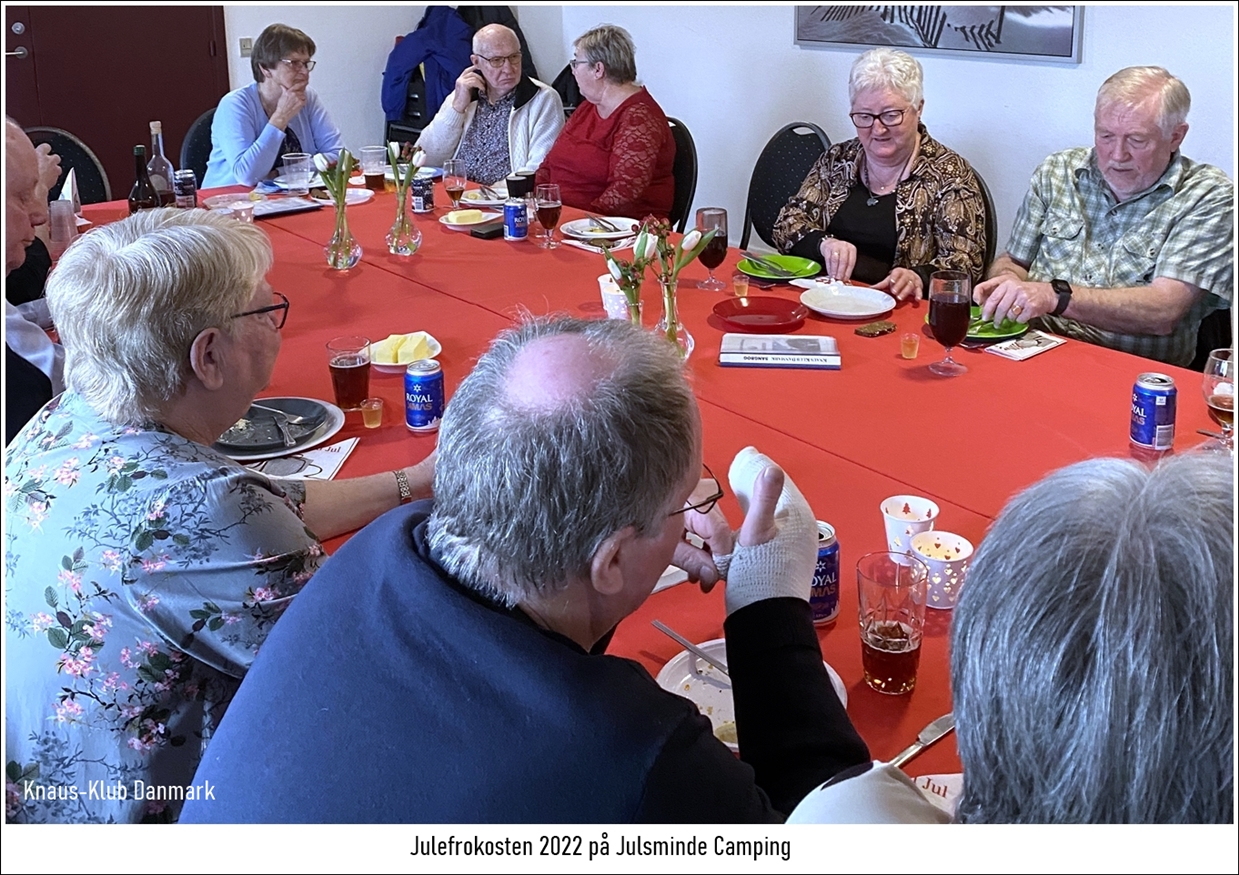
(143,195)
(159,167)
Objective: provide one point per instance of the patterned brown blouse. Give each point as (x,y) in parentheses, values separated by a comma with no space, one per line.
(939,208)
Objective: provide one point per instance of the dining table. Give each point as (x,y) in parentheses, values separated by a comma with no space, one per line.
(879,426)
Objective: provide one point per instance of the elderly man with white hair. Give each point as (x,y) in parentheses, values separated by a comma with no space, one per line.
(1128,244)
(497,120)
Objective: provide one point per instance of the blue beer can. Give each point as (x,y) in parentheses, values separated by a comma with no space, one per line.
(824,597)
(423,395)
(515,219)
(1153,411)
(422,194)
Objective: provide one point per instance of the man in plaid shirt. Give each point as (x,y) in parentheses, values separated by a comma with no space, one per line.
(1128,244)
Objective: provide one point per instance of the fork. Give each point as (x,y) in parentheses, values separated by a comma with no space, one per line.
(768,266)
(603,224)
(287,417)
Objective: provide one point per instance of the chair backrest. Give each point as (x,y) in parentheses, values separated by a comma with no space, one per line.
(92,180)
(685,172)
(991,223)
(780,169)
(196,148)
(569,92)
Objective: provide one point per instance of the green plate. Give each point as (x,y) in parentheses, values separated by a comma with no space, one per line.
(986,331)
(799,267)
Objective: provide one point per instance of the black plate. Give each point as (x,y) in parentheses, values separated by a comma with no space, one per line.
(257,432)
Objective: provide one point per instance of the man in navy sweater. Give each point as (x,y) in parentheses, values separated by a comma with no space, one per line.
(447,664)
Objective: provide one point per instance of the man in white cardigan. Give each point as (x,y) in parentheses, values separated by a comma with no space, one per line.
(497,120)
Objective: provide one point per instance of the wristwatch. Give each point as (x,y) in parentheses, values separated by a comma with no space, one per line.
(402,483)
(1063,290)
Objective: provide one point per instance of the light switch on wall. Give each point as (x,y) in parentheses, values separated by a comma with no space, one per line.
(247,46)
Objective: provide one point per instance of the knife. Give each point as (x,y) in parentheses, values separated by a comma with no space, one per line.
(928,736)
(768,266)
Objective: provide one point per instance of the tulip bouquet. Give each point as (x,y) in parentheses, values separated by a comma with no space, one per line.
(670,260)
(343,252)
(404,238)
(628,274)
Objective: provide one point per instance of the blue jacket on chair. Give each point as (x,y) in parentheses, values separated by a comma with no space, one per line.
(443,42)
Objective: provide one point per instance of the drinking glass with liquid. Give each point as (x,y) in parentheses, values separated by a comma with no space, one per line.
(349,361)
(548,205)
(950,311)
(892,590)
(374,167)
(714,252)
(454,180)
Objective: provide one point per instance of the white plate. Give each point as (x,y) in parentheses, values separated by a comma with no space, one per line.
(424,172)
(709,690)
(487,216)
(583,229)
(435,349)
(474,197)
(351,197)
(841,301)
(316,181)
(330,427)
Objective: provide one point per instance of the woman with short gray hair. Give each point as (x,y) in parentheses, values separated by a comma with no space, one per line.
(615,154)
(144,568)
(892,205)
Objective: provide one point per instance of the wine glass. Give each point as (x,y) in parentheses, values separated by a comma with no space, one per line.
(1218,386)
(950,311)
(716,250)
(454,180)
(548,205)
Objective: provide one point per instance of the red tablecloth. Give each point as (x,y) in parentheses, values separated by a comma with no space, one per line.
(879,427)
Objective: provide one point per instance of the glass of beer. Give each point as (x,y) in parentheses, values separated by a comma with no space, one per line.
(713,218)
(950,311)
(892,588)
(374,167)
(1219,390)
(349,360)
(548,206)
(454,180)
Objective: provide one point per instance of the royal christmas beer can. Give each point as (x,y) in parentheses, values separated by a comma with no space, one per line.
(423,395)
(515,219)
(1152,412)
(824,598)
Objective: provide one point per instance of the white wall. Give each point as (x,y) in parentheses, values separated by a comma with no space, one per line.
(353,43)
(734,76)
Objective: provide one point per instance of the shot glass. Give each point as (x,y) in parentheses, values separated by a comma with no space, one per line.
(905,516)
(372,412)
(947,557)
(740,284)
(909,344)
(349,361)
(297,169)
(892,588)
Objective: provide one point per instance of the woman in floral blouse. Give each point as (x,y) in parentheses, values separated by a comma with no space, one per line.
(893,205)
(143,569)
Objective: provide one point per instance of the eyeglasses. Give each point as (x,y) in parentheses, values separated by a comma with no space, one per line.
(706,504)
(890,118)
(574,63)
(299,65)
(282,307)
(498,63)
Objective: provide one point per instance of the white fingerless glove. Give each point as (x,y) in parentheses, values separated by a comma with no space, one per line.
(783,566)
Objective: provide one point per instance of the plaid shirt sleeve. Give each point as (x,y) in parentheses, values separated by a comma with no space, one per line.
(1199,248)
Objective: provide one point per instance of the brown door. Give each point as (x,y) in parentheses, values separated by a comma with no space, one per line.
(105,72)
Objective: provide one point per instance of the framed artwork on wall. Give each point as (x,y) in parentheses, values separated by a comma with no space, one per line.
(1041,33)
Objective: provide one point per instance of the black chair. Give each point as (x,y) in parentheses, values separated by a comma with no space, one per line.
(685,172)
(92,180)
(196,149)
(569,91)
(780,169)
(1215,333)
(991,224)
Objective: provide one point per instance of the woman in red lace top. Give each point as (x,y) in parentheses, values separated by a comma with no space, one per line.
(614,155)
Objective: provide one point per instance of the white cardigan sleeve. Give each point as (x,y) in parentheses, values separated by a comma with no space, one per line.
(537,130)
(441,138)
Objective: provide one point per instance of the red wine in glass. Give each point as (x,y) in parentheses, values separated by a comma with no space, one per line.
(548,215)
(712,255)
(950,310)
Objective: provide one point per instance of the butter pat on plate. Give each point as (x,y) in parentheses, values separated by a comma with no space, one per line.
(398,351)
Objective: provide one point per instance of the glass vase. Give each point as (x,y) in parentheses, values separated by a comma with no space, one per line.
(670,326)
(343,252)
(404,238)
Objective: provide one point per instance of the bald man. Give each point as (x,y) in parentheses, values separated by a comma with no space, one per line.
(33,364)
(497,120)
(448,665)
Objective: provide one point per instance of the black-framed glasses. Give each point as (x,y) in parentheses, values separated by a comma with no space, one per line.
(277,321)
(299,65)
(890,117)
(706,504)
(497,63)
(574,63)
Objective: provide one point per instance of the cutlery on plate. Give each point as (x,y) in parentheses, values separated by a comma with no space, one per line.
(928,736)
(488,192)
(768,266)
(598,222)
(691,647)
(1208,433)
(288,417)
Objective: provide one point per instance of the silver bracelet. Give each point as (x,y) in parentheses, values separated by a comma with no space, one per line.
(402,483)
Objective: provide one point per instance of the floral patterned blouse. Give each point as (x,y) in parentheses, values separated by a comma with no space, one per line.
(142,573)
(939,208)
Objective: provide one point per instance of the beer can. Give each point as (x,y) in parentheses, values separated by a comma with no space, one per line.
(824,597)
(422,193)
(1152,412)
(515,219)
(423,395)
(185,189)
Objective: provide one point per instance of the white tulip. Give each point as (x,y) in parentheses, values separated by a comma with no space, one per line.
(615,270)
(393,148)
(321,162)
(419,158)
(691,239)
(649,247)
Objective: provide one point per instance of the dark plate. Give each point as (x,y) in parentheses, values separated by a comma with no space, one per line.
(761,315)
(257,432)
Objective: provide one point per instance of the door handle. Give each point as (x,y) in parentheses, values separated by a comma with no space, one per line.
(21,53)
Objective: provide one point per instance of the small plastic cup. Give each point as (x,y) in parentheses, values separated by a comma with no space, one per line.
(909,344)
(740,283)
(372,412)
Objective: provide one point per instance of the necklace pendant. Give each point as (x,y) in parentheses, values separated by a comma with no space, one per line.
(872,201)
